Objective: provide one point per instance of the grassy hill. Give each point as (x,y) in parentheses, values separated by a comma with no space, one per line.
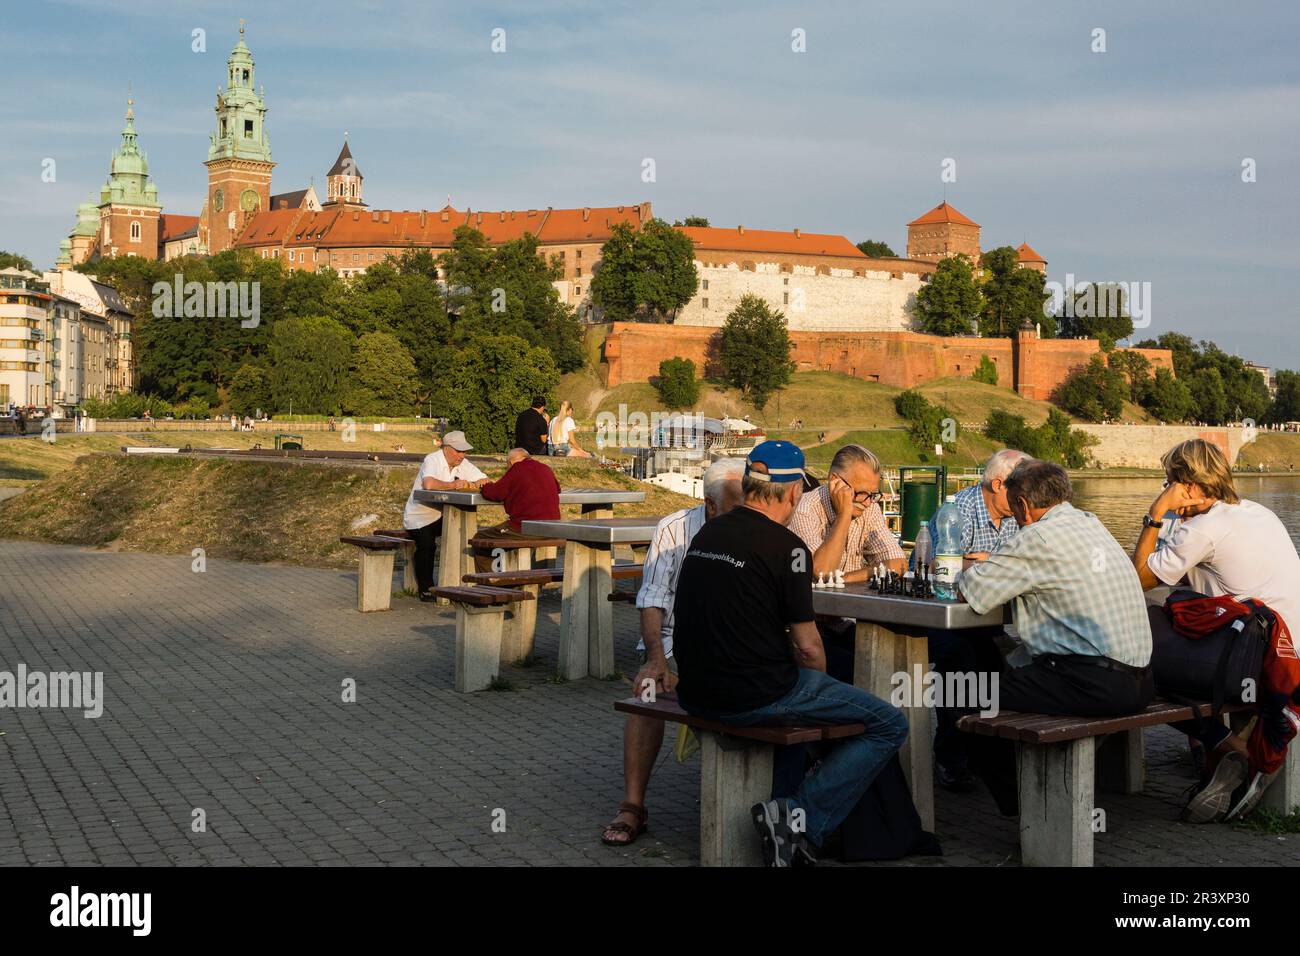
(1276,451)
(250,511)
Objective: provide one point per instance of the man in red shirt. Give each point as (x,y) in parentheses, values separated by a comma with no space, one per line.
(529,491)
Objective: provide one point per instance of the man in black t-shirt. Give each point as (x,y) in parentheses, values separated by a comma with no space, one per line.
(748,653)
(531,427)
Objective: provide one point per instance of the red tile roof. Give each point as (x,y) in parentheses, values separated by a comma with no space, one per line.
(170,225)
(797,242)
(944,213)
(348,226)
(1027,254)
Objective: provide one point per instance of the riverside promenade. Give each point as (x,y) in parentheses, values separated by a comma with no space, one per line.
(223,693)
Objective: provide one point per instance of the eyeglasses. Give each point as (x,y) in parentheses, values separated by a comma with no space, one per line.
(867,496)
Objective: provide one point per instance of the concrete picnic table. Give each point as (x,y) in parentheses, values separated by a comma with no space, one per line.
(891,639)
(586,618)
(460,521)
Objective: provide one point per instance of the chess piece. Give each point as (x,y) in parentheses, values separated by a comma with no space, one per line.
(839,578)
(821,580)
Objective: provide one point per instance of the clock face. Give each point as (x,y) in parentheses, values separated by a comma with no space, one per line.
(219,200)
(249,200)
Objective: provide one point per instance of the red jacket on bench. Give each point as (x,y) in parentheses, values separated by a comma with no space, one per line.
(529,491)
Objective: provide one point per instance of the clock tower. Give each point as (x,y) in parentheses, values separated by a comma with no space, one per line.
(239,156)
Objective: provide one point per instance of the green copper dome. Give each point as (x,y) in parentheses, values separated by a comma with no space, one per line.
(241,112)
(128,177)
(87,219)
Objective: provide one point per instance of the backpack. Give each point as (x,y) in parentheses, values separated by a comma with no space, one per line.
(1214,649)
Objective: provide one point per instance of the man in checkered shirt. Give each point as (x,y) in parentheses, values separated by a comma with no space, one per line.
(841,522)
(1079,610)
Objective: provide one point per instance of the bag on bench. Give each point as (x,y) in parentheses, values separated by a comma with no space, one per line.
(1212,649)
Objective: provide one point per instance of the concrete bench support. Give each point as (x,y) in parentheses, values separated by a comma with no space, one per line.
(521,624)
(375,581)
(734,775)
(1121,762)
(1056,802)
(478,646)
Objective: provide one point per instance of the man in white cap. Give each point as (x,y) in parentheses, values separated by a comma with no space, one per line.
(446,469)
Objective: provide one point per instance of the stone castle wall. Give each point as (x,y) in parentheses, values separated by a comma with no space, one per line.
(1140,446)
(1033,366)
(813,298)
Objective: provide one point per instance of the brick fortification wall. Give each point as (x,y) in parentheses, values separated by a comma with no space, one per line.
(1035,366)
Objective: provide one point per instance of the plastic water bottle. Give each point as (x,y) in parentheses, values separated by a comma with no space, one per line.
(947,550)
(923,550)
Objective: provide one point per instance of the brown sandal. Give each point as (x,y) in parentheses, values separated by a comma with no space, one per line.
(618,826)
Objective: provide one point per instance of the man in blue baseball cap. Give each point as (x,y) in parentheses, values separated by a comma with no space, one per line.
(748,653)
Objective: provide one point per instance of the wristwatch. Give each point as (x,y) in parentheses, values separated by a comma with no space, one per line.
(1149,522)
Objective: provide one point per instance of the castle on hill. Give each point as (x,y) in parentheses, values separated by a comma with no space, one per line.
(822,282)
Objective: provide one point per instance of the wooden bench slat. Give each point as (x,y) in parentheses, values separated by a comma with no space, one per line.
(487,543)
(667,708)
(619,572)
(396,533)
(481,596)
(372,542)
(1045,729)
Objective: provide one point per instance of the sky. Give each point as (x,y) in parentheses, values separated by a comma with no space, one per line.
(1124,165)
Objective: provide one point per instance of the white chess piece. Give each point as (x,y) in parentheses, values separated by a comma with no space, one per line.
(839,578)
(820,582)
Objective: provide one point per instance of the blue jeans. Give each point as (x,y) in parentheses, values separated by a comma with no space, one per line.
(561,451)
(847,770)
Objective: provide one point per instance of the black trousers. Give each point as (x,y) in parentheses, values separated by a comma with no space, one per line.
(1066,685)
(426,548)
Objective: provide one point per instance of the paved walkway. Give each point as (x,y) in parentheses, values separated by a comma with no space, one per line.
(223,692)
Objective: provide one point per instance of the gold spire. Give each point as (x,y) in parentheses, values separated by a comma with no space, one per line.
(241,26)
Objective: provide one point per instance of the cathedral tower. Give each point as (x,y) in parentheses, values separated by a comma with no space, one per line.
(128,203)
(239,157)
(344,179)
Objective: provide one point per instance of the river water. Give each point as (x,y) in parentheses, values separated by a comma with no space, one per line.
(1121,502)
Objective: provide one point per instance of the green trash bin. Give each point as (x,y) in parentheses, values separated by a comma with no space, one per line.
(919,498)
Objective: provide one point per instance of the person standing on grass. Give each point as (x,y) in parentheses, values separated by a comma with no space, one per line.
(563,432)
(531,428)
(447,469)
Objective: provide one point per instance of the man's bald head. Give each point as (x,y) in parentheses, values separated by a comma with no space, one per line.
(516,454)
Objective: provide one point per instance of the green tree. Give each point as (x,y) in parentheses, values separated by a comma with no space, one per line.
(1101,313)
(693,222)
(1054,440)
(678,387)
(876,250)
(250,390)
(1168,398)
(927,420)
(310,358)
(12,260)
(1209,397)
(1136,369)
(383,377)
(1013,297)
(753,349)
(1286,403)
(986,371)
(510,290)
(1094,393)
(951,301)
(487,382)
(1183,348)
(646,274)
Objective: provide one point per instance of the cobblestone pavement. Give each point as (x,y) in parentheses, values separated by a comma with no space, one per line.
(223,692)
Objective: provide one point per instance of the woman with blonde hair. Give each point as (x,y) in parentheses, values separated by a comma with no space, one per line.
(1217,544)
(562,432)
